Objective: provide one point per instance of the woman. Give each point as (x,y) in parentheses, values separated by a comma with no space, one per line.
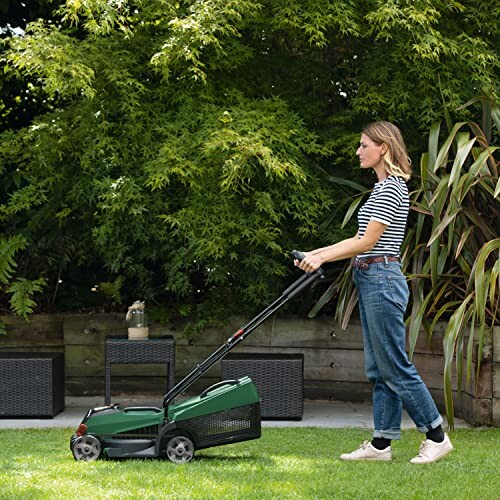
(383,297)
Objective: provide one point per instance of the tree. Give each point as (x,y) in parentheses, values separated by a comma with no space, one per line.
(189,145)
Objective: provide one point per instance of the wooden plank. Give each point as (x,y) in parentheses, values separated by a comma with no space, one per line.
(340,391)
(214,335)
(495,412)
(36,324)
(476,411)
(44,348)
(482,387)
(84,361)
(336,374)
(89,329)
(84,386)
(37,344)
(496,379)
(188,357)
(435,344)
(39,331)
(155,386)
(306,333)
(327,364)
(431,369)
(93,329)
(496,344)
(285,332)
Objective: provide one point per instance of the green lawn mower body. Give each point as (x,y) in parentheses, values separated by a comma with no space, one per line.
(227,412)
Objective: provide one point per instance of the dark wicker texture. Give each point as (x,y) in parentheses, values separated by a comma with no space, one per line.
(31,384)
(122,350)
(279,379)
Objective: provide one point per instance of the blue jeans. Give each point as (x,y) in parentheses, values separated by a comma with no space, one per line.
(383,297)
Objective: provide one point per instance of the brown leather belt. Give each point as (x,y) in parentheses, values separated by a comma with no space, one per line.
(364,262)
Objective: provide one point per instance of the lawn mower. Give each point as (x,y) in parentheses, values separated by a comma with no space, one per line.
(226,412)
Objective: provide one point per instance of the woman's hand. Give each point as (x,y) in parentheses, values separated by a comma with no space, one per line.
(309,263)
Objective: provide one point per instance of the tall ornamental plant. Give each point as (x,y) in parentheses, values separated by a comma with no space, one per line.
(451,252)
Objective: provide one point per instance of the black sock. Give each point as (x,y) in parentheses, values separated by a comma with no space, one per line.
(381,443)
(436,435)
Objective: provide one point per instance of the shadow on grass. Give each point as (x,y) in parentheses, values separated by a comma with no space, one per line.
(199,457)
(240,459)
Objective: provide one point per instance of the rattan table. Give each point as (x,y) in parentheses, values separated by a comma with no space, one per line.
(121,350)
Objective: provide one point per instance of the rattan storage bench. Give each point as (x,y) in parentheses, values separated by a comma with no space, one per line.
(279,379)
(31,384)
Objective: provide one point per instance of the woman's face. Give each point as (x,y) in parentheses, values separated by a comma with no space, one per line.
(371,154)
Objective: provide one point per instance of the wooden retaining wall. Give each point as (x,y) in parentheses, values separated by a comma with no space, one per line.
(333,358)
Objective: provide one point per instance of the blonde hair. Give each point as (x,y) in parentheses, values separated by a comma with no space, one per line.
(397,161)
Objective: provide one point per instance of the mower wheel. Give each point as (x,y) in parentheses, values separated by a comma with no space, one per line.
(180,449)
(87,448)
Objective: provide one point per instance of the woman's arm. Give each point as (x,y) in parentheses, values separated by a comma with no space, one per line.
(344,249)
(330,247)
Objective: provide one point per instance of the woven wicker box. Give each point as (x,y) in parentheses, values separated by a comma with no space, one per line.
(279,379)
(32,384)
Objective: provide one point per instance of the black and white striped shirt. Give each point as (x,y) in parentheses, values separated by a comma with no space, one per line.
(389,204)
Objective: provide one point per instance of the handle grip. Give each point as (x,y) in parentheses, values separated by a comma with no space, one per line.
(298,255)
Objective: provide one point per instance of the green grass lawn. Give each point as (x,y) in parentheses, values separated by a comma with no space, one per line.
(284,463)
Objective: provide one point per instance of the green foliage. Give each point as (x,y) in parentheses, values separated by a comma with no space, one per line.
(317,19)
(418,48)
(235,194)
(52,58)
(453,249)
(97,17)
(8,248)
(183,148)
(207,35)
(22,291)
(112,290)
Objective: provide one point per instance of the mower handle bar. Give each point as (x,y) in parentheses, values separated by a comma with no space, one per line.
(306,280)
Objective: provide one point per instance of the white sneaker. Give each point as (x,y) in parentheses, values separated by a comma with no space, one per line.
(431,451)
(368,452)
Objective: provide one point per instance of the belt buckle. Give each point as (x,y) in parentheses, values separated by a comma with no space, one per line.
(360,264)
